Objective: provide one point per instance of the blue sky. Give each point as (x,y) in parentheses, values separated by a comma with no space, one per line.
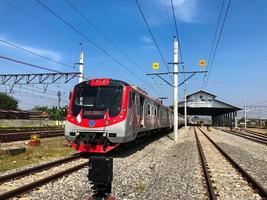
(239,66)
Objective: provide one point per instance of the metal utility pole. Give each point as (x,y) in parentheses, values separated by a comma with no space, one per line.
(175,88)
(185,106)
(245,110)
(81,67)
(59,98)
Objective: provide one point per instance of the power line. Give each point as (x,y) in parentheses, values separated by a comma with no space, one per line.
(176,30)
(28,64)
(149,30)
(103,35)
(91,41)
(219,37)
(168,16)
(214,39)
(40,21)
(50,27)
(36,54)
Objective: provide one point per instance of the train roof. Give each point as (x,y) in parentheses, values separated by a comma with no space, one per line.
(104,81)
(113,82)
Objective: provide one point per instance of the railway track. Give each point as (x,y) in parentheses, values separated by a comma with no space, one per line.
(225,178)
(248,135)
(15,184)
(18,190)
(25,135)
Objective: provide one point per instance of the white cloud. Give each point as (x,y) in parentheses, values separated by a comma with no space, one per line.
(185,10)
(147,39)
(41,51)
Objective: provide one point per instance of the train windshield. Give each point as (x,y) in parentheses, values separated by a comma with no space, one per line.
(95,101)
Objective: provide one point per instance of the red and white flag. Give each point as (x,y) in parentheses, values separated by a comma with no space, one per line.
(79,116)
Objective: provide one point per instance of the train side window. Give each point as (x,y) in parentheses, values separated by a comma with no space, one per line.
(148,109)
(155,111)
(152,110)
(130,99)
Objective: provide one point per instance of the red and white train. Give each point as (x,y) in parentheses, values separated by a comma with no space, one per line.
(104,113)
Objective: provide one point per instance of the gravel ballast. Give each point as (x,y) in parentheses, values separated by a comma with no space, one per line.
(252,156)
(161,170)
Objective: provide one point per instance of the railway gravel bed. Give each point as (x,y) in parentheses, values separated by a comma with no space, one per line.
(15,183)
(250,155)
(227,182)
(161,170)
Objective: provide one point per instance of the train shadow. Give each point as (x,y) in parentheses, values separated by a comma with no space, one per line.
(132,147)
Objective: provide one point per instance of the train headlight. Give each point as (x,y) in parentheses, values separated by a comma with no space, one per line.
(106,122)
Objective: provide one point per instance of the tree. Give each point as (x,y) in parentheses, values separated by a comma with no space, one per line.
(55,113)
(41,108)
(8,102)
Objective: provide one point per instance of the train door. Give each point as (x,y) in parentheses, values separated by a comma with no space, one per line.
(158,115)
(132,105)
(138,110)
(142,112)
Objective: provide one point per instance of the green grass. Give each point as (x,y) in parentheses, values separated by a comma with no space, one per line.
(140,186)
(34,155)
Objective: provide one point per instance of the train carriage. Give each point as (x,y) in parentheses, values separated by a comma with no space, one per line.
(104,113)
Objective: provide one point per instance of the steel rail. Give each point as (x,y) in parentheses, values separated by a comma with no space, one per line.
(7,131)
(17,136)
(25,188)
(25,172)
(249,137)
(211,191)
(256,133)
(256,185)
(31,186)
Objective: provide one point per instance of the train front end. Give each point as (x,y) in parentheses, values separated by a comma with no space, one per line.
(96,117)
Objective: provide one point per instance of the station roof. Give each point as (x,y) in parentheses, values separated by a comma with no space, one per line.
(205,103)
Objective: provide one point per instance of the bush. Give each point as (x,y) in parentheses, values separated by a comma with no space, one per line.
(8,102)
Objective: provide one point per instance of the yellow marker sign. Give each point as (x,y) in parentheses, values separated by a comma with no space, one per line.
(155,66)
(202,63)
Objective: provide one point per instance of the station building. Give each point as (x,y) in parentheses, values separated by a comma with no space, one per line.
(205,104)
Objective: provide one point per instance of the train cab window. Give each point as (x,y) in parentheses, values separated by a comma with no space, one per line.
(148,110)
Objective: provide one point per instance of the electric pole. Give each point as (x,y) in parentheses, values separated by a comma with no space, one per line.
(81,66)
(175,88)
(245,110)
(185,108)
(59,98)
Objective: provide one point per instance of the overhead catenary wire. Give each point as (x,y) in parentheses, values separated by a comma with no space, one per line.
(152,35)
(91,41)
(28,64)
(104,35)
(40,21)
(168,16)
(177,33)
(218,40)
(214,39)
(51,28)
(34,53)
